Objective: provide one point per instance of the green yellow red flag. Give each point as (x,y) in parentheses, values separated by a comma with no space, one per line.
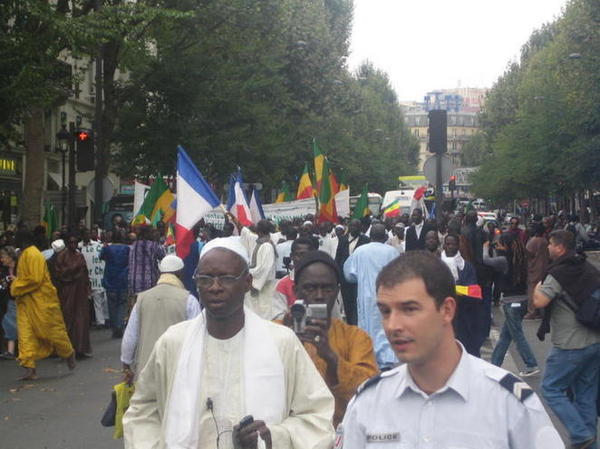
(392,210)
(335,186)
(473,291)
(305,188)
(327,209)
(319,166)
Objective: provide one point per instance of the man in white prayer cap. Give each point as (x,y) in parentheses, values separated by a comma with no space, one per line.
(228,378)
(155,309)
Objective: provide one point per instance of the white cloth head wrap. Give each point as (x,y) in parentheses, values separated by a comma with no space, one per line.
(170,264)
(229,243)
(455,263)
(58,245)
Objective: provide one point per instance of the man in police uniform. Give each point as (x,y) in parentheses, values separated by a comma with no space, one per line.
(441,397)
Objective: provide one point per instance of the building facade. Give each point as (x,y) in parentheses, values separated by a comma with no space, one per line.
(463,106)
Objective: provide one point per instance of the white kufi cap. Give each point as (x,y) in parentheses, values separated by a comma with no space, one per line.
(229,243)
(58,245)
(170,264)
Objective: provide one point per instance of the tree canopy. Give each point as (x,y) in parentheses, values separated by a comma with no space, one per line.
(251,83)
(541,122)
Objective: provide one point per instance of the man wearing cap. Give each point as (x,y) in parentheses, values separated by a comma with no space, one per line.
(155,310)
(207,374)
(342,353)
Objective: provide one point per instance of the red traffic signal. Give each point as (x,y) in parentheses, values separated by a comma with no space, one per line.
(452,183)
(82,136)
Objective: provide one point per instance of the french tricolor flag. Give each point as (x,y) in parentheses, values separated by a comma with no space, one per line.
(237,203)
(195,198)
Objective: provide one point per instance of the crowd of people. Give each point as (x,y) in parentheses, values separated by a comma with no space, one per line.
(288,322)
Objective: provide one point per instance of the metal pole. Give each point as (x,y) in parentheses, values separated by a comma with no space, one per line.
(98,136)
(72,187)
(63,187)
(439,194)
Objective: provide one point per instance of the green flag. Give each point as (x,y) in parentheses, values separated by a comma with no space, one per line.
(156,190)
(362,206)
(50,220)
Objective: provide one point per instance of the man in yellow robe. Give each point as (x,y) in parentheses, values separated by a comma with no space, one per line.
(39,318)
(342,353)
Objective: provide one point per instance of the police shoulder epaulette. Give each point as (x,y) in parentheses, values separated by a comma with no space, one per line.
(516,386)
(368,383)
(374,381)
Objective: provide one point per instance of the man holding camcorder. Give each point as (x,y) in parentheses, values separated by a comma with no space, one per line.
(342,353)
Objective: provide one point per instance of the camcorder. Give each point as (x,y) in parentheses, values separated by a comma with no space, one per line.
(302,314)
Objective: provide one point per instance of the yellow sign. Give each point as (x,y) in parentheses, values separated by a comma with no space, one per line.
(8,166)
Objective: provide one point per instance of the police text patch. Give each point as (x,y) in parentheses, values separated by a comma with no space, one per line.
(383,437)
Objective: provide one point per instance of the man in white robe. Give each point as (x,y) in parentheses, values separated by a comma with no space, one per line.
(261,298)
(206,374)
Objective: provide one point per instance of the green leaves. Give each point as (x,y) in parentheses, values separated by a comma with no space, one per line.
(250,83)
(541,121)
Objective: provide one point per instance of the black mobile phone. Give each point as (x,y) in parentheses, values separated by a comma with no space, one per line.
(246,421)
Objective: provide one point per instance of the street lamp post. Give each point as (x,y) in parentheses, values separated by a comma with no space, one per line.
(67,142)
(64,138)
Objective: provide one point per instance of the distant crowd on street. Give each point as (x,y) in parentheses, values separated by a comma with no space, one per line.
(311,334)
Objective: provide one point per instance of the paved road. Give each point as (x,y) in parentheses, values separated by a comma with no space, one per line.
(62,410)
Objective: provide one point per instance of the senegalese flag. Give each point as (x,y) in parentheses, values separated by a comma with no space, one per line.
(473,291)
(362,206)
(327,210)
(335,186)
(170,237)
(319,166)
(164,204)
(50,220)
(284,194)
(392,209)
(305,188)
(145,214)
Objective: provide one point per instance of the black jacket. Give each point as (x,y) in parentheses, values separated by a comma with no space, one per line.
(411,240)
(343,249)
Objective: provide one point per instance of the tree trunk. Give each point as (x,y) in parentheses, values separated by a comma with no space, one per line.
(35,159)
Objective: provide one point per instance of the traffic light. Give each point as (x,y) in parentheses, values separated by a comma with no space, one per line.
(85,150)
(452,183)
(438,133)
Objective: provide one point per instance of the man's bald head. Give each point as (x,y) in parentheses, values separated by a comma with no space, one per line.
(378,233)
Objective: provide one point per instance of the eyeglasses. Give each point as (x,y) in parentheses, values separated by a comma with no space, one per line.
(226,280)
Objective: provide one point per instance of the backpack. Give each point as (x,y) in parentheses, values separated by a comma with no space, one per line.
(588,312)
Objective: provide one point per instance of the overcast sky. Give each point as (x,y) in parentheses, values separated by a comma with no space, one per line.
(425,45)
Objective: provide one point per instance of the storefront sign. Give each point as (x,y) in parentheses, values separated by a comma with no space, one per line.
(8,167)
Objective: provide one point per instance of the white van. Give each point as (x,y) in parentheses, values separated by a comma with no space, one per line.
(404,197)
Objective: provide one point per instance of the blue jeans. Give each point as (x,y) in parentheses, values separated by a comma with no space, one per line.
(513,330)
(579,370)
(117,305)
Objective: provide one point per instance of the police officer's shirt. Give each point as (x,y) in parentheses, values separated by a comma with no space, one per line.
(480,407)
